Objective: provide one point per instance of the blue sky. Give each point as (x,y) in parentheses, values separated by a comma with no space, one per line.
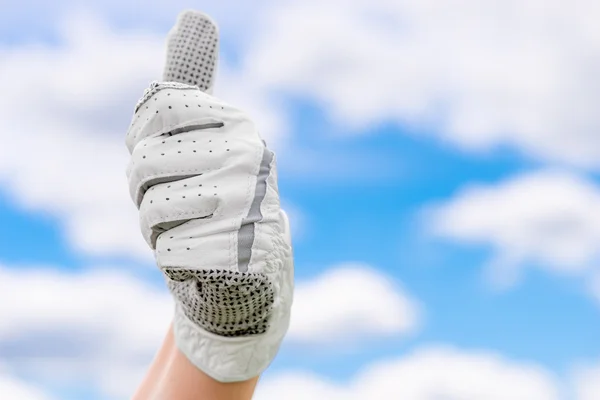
(361,182)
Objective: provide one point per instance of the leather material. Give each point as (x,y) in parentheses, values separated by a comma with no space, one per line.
(205,185)
(195,174)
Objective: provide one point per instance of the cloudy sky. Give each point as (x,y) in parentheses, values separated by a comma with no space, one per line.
(440,162)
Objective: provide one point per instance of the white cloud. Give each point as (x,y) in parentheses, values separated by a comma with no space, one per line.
(99,328)
(480,74)
(549,218)
(349,302)
(63,116)
(16,389)
(587,382)
(425,374)
(37,17)
(123,309)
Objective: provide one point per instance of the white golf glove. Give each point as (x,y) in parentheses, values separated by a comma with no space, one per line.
(206,188)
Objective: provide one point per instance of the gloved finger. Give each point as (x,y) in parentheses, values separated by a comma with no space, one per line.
(172,108)
(192,51)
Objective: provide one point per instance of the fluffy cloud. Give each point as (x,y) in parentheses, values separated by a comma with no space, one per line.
(13,388)
(479,74)
(63,115)
(426,374)
(587,382)
(549,218)
(101,327)
(351,302)
(39,17)
(97,328)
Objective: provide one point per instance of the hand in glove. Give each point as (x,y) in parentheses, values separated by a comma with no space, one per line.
(205,184)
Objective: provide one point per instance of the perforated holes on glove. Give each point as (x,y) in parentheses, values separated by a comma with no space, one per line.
(225,303)
(192,52)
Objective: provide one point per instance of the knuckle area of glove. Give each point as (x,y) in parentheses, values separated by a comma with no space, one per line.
(191,154)
(172,108)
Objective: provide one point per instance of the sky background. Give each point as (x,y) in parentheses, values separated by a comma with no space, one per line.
(440,163)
